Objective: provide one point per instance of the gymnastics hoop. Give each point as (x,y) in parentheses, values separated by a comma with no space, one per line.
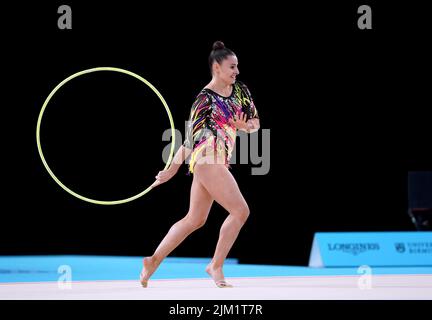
(75,75)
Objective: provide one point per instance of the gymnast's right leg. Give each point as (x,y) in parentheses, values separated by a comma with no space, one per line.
(199,208)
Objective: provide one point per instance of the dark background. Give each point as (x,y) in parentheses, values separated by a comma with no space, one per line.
(346,108)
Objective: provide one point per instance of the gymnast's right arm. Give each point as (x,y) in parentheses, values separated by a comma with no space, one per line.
(199,111)
(181,155)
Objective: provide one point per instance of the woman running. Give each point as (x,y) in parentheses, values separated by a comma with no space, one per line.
(222,107)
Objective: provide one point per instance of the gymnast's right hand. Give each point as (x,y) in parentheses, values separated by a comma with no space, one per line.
(164,175)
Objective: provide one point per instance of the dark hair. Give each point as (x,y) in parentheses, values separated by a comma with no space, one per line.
(219,53)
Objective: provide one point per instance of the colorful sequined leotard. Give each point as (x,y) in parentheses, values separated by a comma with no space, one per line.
(209,130)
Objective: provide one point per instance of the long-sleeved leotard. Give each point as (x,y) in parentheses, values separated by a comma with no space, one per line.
(209,131)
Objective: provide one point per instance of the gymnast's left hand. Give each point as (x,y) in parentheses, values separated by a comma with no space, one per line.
(240,122)
(164,175)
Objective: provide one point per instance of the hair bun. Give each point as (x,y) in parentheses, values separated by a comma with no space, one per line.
(218,45)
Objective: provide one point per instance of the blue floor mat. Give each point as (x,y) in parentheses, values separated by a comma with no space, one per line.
(83,268)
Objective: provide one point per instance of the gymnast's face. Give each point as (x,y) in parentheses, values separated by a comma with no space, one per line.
(228,70)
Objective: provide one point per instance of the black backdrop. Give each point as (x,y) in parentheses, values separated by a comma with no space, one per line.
(346,109)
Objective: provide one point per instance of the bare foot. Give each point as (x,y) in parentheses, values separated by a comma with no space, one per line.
(149,267)
(217,276)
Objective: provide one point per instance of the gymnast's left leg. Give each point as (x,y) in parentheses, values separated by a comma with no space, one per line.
(223,188)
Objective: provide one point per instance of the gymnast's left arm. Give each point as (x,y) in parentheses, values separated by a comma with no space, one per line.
(253,125)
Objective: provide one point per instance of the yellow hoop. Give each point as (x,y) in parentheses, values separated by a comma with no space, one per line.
(40,121)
